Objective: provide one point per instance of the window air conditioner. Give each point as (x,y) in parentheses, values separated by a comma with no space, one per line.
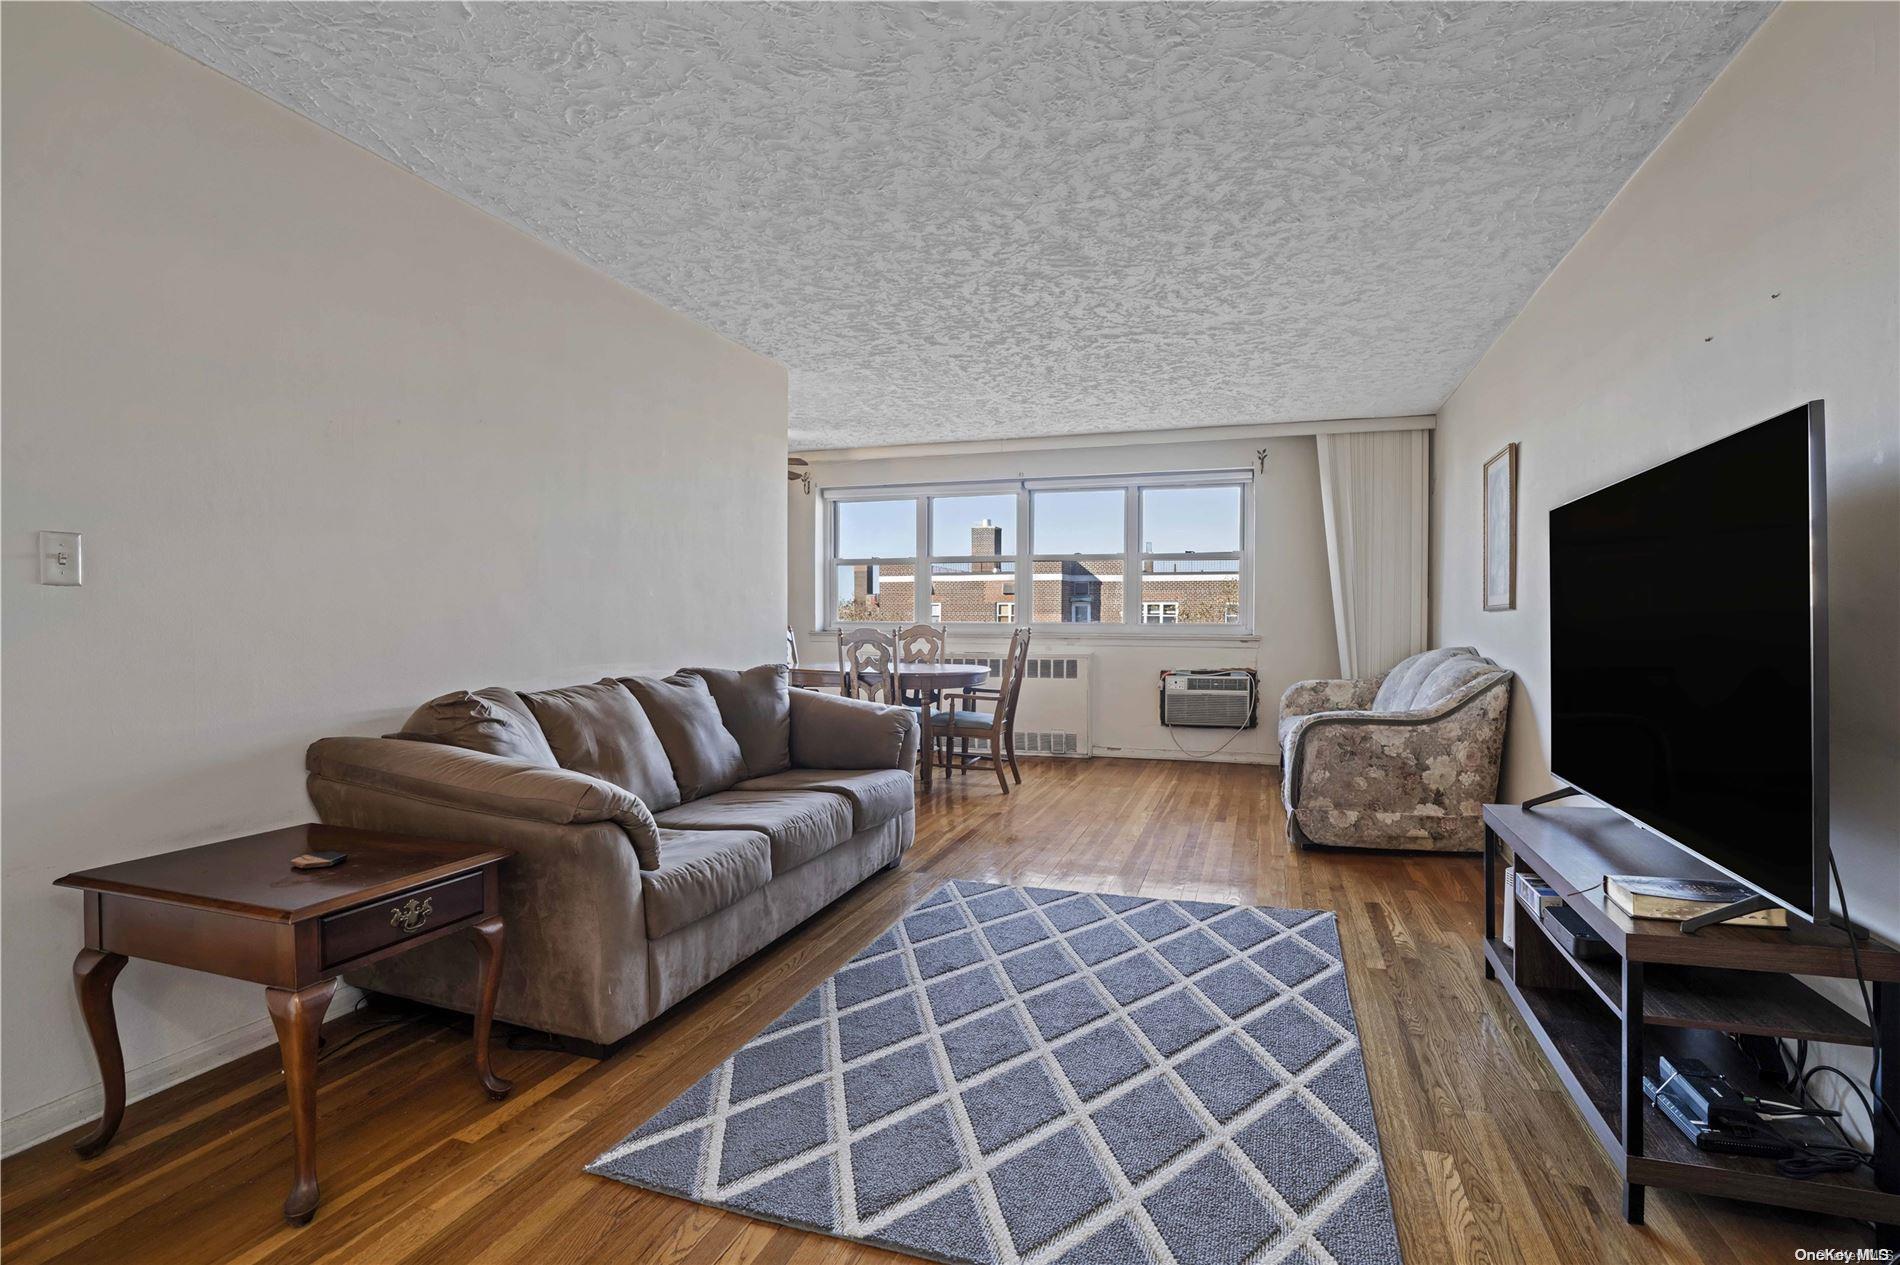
(1210,698)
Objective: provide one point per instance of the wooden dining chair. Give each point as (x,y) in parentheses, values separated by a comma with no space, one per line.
(921,643)
(867,661)
(997,725)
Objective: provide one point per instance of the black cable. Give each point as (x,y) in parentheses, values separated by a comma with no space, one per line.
(1816,1157)
(1603,882)
(1866,999)
(361,1002)
(1802,1089)
(1814,1160)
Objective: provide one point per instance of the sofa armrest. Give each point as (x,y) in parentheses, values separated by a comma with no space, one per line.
(478,782)
(1303,698)
(829,732)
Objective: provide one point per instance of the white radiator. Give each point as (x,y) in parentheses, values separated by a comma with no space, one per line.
(1054,715)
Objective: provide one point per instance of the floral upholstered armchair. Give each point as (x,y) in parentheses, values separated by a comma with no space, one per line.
(1406,759)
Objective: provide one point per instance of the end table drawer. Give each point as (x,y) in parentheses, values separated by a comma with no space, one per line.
(355,932)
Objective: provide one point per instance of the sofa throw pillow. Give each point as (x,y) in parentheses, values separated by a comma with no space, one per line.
(600,730)
(705,758)
(493,721)
(756,706)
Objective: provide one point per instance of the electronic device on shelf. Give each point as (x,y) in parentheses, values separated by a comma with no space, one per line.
(1534,893)
(1713,741)
(1711,1113)
(1569,932)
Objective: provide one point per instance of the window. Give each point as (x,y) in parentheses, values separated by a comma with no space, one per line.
(1180,541)
(874,564)
(1080,539)
(1190,554)
(972,555)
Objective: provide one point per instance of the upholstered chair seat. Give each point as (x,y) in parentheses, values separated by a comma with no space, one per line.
(963,720)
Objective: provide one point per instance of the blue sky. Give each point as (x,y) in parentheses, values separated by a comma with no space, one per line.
(1174,520)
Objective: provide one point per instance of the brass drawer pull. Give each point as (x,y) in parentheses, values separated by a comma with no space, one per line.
(412,916)
(400,916)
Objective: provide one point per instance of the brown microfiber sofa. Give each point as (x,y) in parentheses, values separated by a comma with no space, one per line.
(663,830)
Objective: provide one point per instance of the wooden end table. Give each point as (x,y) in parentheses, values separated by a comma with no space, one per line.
(239,910)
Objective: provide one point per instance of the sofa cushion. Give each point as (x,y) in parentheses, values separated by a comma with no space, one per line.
(801,824)
(756,706)
(1401,684)
(600,730)
(702,872)
(705,758)
(876,795)
(492,721)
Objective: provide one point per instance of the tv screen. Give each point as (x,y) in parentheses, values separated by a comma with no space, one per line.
(1688,653)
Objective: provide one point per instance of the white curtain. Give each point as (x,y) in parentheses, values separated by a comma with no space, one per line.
(1375,490)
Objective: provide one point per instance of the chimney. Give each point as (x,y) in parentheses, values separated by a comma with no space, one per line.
(986,541)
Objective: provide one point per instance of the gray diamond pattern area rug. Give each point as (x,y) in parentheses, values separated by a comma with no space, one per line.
(1018,1074)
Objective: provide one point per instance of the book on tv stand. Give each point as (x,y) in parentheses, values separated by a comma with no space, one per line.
(1687,899)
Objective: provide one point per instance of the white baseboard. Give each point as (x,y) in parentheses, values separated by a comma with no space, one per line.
(36,1124)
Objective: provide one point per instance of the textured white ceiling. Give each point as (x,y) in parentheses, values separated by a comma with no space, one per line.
(973,221)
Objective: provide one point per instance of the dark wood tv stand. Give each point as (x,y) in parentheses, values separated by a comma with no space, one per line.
(1602,1024)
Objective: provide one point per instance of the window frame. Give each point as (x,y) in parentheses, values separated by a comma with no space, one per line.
(1163,613)
(1023,561)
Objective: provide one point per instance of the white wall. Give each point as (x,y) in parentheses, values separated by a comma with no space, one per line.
(1292,595)
(338,443)
(1782,179)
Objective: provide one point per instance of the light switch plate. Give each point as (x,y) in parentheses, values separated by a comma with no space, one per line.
(59,557)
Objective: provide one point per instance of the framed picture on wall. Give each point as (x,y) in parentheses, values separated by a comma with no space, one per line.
(1500,531)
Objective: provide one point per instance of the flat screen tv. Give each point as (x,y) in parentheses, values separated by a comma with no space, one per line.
(1688,654)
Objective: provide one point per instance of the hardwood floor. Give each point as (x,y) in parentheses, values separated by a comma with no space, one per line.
(1488,1161)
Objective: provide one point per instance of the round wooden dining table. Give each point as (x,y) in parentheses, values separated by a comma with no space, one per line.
(932,680)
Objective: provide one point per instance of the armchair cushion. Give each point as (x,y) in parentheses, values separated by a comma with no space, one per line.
(704,757)
(876,795)
(478,782)
(600,730)
(494,721)
(756,706)
(829,732)
(1402,688)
